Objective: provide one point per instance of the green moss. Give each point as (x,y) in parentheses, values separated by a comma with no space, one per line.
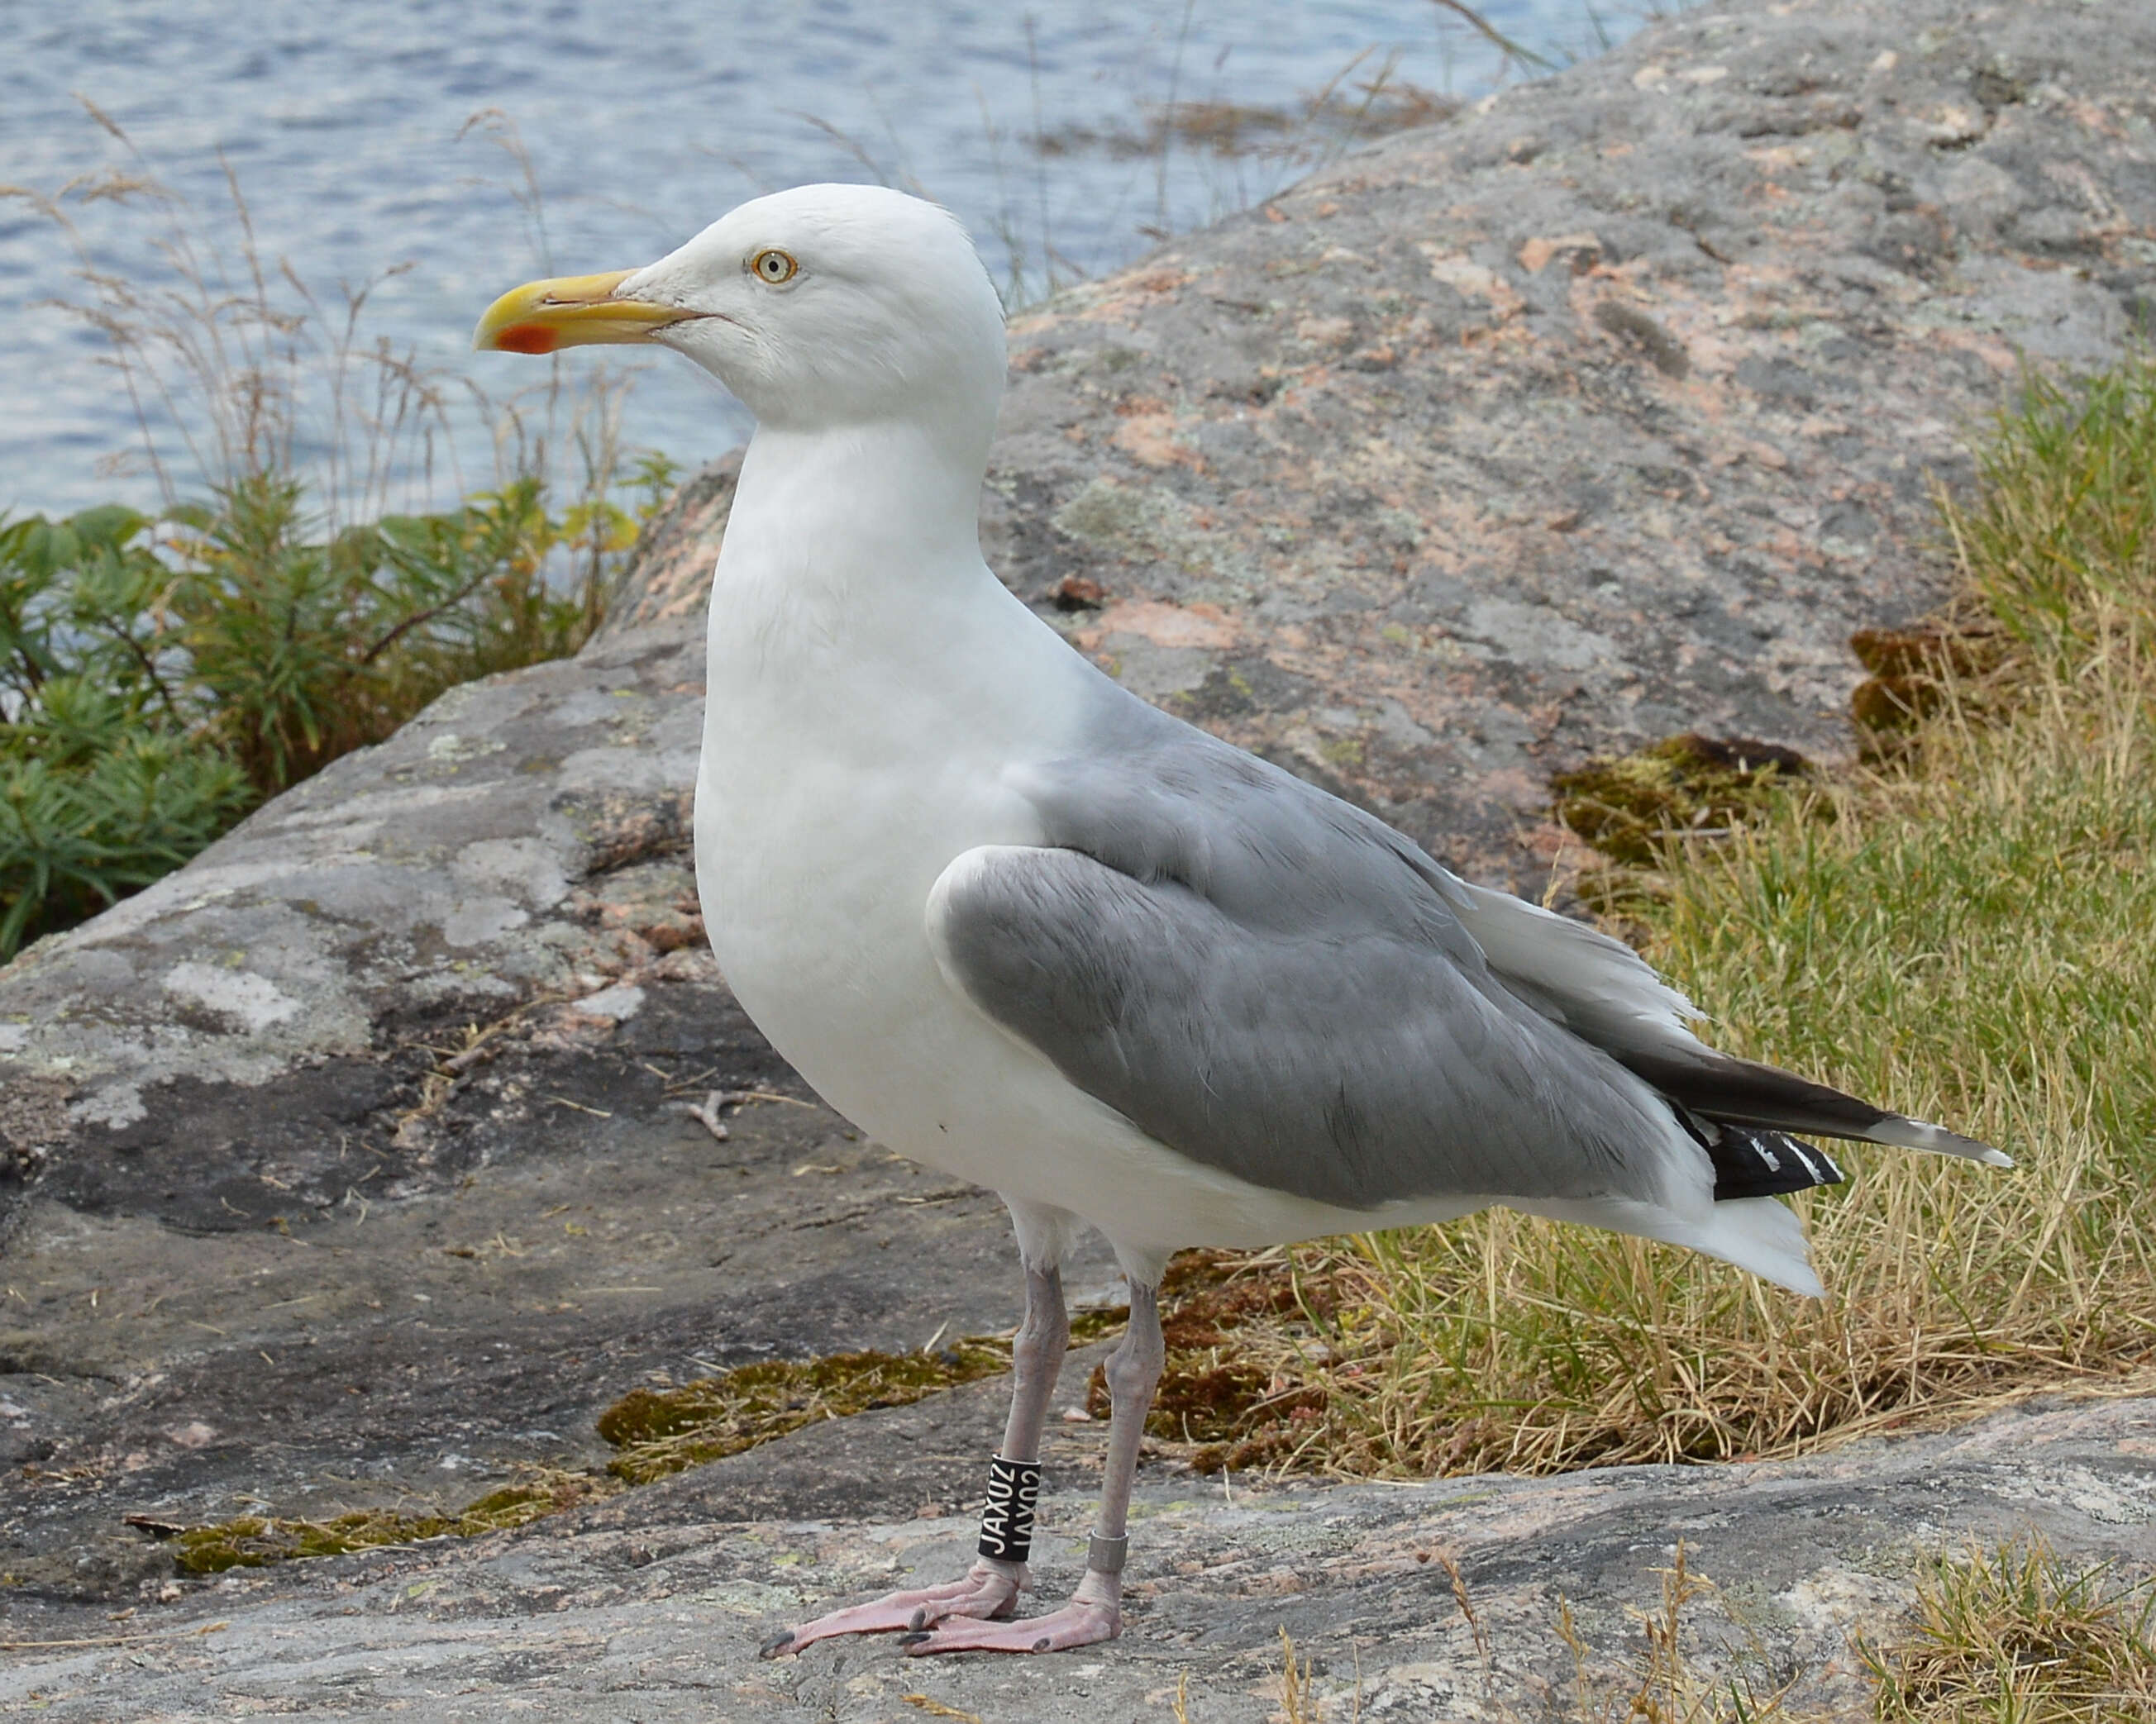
(1631,806)
(1206,1396)
(254,1542)
(1091,1326)
(661,1431)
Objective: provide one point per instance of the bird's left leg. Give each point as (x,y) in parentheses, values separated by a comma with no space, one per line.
(1095,1612)
(990,1588)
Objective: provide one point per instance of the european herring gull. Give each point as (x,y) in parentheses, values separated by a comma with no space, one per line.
(1015,923)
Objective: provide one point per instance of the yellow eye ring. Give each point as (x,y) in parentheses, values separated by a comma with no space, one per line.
(774,266)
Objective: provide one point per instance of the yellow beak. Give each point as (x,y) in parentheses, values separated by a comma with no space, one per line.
(570,312)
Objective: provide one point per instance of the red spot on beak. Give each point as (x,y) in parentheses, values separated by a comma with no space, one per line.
(528,338)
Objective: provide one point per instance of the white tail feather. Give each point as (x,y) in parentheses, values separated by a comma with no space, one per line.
(1755,1233)
(1599,983)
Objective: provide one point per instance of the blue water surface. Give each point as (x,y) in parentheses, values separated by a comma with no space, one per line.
(640,124)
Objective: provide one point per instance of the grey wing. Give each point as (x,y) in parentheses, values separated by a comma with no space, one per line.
(1165,800)
(1253,974)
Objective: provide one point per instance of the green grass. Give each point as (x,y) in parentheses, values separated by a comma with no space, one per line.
(2017,1635)
(2060,544)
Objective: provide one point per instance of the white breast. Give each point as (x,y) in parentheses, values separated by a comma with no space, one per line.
(856,740)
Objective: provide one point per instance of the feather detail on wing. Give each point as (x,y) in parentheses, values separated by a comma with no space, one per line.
(1277,985)
(1606,993)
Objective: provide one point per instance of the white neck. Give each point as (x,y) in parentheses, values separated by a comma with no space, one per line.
(908,491)
(850,584)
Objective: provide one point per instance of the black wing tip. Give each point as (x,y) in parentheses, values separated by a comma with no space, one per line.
(1752,1163)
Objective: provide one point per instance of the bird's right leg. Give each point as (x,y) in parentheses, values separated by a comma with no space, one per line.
(990,1588)
(1095,1613)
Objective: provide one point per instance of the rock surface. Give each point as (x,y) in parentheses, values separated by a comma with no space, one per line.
(1606,414)
(652,1608)
(347,1165)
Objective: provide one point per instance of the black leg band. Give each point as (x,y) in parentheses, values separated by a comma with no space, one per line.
(1007,1521)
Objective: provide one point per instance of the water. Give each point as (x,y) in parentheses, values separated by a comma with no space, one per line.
(641,125)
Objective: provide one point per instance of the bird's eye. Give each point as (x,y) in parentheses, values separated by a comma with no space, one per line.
(774,265)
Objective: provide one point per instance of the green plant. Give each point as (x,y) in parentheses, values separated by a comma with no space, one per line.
(103,785)
(161,674)
(304,646)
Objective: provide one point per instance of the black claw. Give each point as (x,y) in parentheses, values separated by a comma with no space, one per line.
(776,1644)
(1041,1644)
(918,1620)
(914,1637)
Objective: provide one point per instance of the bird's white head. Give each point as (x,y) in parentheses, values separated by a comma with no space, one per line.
(822,308)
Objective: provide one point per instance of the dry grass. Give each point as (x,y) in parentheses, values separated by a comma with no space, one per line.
(1660,1680)
(2016,1635)
(1962,932)
(2009,1635)
(1662,1683)
(1299,1702)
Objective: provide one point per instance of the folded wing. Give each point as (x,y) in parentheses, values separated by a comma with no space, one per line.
(1276,984)
(1355,1065)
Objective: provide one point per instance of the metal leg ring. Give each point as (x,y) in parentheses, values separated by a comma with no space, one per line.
(1104,1556)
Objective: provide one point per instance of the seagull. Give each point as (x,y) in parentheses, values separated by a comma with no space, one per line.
(1019,926)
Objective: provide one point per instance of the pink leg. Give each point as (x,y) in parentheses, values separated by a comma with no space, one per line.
(990,1588)
(1095,1612)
